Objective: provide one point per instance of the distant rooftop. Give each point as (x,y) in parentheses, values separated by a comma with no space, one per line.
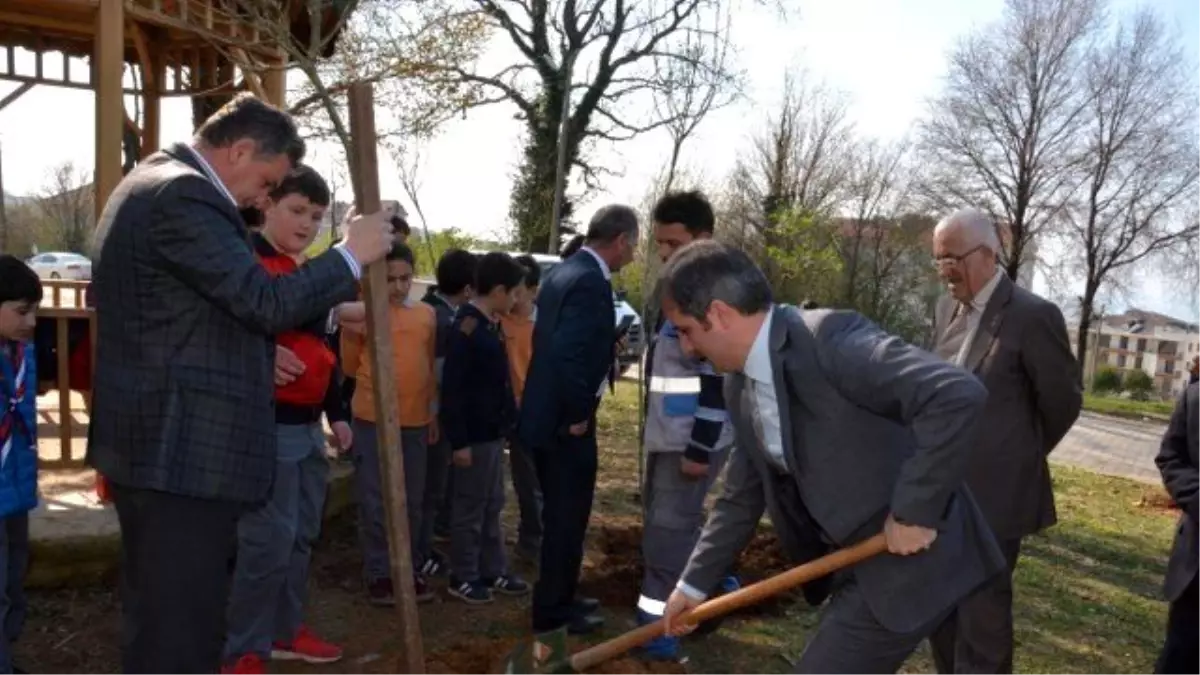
(1141,321)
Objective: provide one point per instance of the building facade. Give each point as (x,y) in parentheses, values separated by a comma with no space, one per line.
(1163,347)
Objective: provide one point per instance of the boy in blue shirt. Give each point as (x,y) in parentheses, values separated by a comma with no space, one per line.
(20,295)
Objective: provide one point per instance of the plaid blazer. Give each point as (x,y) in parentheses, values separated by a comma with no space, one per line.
(184,383)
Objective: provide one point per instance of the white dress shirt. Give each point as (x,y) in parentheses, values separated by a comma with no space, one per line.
(761,377)
(213,178)
(978,304)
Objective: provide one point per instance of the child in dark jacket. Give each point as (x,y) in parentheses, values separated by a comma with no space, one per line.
(20,295)
(478,410)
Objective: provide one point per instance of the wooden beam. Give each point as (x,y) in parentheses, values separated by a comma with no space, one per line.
(365,171)
(15,94)
(27,79)
(152,85)
(108,71)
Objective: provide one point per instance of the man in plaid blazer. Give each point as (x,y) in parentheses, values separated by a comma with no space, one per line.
(182,423)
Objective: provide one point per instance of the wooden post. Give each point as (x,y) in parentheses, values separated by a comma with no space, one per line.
(107,72)
(364,169)
(152,83)
(274,84)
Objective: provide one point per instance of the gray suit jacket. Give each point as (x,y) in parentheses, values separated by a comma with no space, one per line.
(870,425)
(1178,464)
(184,385)
(1023,356)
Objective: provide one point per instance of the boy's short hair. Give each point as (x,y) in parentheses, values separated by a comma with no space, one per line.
(497,269)
(400,226)
(455,271)
(18,282)
(401,253)
(690,209)
(304,181)
(533,271)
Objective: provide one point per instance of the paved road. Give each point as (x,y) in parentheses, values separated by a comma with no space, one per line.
(1114,446)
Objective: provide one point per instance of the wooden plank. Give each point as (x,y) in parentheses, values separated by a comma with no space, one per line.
(275,81)
(365,173)
(63,357)
(15,94)
(26,79)
(110,105)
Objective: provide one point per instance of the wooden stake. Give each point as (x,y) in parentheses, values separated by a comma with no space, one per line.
(364,170)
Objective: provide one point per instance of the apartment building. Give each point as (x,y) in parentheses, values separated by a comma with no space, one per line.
(1161,346)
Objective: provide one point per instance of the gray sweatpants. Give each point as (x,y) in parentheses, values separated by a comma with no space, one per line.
(476,540)
(674,516)
(368,491)
(270,581)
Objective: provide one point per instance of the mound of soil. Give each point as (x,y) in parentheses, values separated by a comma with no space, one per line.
(489,656)
(612,570)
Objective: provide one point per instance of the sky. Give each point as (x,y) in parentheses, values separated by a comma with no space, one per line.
(887,55)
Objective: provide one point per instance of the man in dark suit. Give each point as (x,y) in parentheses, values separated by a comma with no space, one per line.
(182,423)
(1178,464)
(573,349)
(1016,344)
(841,431)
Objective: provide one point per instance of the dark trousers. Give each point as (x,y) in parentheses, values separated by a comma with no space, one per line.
(368,492)
(567,473)
(175,553)
(977,637)
(1181,651)
(435,510)
(476,537)
(529,498)
(14,561)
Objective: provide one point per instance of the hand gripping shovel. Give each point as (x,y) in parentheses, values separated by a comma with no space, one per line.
(547,652)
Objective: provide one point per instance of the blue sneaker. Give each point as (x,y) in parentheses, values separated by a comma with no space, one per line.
(728,584)
(661,648)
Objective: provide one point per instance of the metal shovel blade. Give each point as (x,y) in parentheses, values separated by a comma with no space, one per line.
(546,653)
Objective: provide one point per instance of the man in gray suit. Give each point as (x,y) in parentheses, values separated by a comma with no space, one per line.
(1016,344)
(841,431)
(182,423)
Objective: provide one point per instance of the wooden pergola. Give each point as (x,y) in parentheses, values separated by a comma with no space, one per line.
(140,51)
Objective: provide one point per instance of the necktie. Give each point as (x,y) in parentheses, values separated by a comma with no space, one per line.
(952,339)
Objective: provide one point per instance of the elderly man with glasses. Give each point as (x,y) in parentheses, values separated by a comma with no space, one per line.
(1016,343)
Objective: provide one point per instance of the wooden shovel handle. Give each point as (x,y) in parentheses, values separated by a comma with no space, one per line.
(750,595)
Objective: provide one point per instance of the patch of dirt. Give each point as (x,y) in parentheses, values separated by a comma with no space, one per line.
(1156,499)
(612,568)
(474,656)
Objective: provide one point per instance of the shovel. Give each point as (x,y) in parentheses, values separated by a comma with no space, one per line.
(547,653)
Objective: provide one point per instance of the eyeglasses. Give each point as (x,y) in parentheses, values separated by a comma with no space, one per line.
(950,260)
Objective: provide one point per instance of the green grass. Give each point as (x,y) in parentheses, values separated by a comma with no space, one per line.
(1122,407)
(1087,593)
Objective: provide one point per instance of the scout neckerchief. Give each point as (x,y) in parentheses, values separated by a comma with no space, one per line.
(12,392)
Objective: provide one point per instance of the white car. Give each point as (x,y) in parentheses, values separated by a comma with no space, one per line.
(61,265)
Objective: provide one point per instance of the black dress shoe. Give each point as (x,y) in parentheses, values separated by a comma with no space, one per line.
(582,625)
(586,605)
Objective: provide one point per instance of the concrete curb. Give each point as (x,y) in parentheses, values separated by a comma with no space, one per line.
(81,561)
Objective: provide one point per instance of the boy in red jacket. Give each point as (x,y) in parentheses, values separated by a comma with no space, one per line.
(275,542)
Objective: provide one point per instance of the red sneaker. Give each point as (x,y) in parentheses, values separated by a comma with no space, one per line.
(247,664)
(306,647)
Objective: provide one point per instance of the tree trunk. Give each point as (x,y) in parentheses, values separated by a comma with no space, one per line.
(1085,325)
(532,203)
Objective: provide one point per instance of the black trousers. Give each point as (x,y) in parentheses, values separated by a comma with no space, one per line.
(977,637)
(1181,651)
(175,579)
(567,474)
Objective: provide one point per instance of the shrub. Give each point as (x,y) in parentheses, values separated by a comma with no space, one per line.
(1139,385)
(1107,381)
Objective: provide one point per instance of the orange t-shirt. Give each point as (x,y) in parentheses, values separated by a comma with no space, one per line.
(518,342)
(414,337)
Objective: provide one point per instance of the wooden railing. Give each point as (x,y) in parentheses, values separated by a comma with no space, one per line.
(63,302)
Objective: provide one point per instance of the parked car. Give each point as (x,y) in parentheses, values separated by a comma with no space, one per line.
(61,265)
(635,342)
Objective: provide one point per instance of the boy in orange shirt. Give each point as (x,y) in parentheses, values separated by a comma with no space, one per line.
(517,327)
(414,332)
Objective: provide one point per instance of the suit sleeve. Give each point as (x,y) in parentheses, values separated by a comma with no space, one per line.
(334,406)
(456,376)
(1174,459)
(731,525)
(936,400)
(200,245)
(582,321)
(1053,372)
